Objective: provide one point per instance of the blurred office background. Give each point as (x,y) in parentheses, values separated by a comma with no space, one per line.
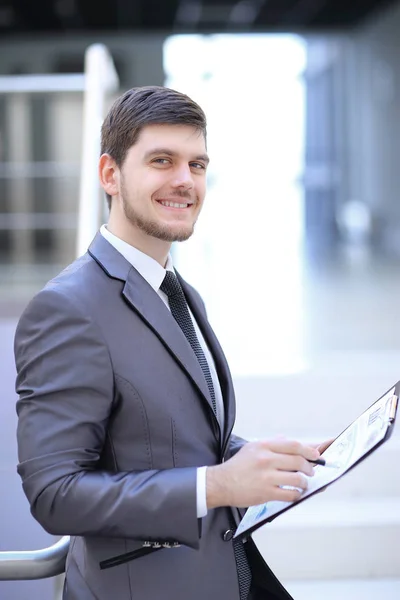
(303,106)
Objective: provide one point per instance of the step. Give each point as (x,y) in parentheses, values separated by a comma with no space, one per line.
(318,402)
(324,539)
(350,589)
(376,477)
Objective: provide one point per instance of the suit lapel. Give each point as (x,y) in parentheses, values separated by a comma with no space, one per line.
(148,305)
(152,309)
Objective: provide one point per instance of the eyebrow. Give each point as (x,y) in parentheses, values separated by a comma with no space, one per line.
(204,157)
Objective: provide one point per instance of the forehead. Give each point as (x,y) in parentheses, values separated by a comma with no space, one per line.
(177,138)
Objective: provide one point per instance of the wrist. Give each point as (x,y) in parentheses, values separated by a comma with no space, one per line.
(216,494)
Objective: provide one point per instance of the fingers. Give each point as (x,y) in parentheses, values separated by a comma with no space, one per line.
(286,495)
(289,487)
(282,446)
(288,462)
(295,480)
(322,447)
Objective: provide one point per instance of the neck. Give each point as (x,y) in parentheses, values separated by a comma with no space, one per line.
(157,249)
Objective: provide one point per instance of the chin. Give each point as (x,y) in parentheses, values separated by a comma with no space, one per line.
(171,234)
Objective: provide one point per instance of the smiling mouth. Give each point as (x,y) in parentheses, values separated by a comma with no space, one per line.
(169,204)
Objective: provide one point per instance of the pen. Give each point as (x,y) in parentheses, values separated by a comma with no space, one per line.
(318,461)
(322,462)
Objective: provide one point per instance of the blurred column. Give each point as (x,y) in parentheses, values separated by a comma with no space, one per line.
(65,133)
(20,190)
(322,176)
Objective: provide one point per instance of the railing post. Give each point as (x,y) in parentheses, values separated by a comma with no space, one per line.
(101,79)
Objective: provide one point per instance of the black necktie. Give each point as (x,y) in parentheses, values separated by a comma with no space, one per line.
(180,311)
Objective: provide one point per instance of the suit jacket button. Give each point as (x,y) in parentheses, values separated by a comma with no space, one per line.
(228,535)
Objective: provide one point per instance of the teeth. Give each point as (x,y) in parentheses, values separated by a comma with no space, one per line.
(173,204)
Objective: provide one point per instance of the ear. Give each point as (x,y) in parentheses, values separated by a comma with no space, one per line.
(109,175)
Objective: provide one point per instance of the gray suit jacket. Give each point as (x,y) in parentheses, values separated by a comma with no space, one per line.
(114,418)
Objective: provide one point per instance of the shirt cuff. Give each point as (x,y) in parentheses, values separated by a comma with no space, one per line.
(201,492)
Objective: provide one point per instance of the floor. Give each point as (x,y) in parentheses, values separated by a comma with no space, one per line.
(346,590)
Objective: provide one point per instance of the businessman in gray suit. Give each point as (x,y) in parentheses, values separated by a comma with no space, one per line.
(126,404)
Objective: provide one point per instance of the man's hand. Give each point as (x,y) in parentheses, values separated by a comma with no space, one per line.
(257,473)
(322,447)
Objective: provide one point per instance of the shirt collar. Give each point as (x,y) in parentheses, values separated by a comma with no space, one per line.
(147,266)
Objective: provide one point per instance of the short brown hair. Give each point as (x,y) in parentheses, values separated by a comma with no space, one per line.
(143,106)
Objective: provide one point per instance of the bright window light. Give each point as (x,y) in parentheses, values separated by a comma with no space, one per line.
(245,256)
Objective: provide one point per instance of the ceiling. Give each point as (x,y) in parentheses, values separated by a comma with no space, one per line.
(36,16)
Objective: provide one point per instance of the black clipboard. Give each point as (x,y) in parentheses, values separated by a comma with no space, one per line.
(362,437)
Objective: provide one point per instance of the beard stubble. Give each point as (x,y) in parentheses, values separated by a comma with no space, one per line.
(152,227)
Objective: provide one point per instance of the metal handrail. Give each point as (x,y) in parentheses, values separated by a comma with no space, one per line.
(34,564)
(30,84)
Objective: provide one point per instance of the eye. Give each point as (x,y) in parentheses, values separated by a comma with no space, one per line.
(197,165)
(161,161)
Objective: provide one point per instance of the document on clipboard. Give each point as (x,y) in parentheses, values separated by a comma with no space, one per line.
(372,428)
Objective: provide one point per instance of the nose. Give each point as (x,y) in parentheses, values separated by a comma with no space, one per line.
(183,177)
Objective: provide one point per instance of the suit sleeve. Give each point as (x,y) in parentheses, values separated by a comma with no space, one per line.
(66,387)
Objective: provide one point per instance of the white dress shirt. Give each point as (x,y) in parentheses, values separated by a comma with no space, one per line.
(154,274)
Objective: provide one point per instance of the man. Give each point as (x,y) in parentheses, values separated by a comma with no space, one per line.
(126,404)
